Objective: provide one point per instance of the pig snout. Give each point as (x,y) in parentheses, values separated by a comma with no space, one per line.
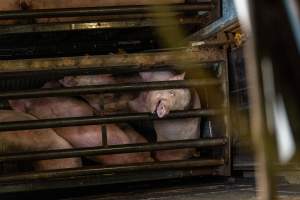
(160,103)
(162,109)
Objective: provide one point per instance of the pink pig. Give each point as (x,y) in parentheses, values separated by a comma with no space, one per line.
(162,102)
(34,140)
(83,136)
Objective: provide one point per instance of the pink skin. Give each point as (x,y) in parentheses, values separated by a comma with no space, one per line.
(83,136)
(34,140)
(72,81)
(87,80)
(161,103)
(113,102)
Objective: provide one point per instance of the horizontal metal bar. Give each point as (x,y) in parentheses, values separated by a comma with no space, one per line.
(108,119)
(182,57)
(103,179)
(112,169)
(116,149)
(96,25)
(74,12)
(106,70)
(124,87)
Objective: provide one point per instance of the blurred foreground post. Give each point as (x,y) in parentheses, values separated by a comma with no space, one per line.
(273,62)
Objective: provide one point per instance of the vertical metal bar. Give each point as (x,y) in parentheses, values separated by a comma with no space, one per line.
(103,126)
(227,147)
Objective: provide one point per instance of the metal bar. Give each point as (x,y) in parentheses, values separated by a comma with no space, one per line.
(136,59)
(75,91)
(82,121)
(103,126)
(116,149)
(112,169)
(104,135)
(229,17)
(227,122)
(97,25)
(106,70)
(75,12)
(103,179)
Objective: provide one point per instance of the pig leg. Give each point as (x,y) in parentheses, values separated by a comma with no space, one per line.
(30,142)
(133,138)
(56,144)
(91,136)
(34,140)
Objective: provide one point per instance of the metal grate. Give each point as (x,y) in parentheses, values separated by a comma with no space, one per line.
(219,162)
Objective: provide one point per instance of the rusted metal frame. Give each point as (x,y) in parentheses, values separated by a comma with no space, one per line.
(127,87)
(110,169)
(75,12)
(97,25)
(116,149)
(228,18)
(217,12)
(139,60)
(108,119)
(105,70)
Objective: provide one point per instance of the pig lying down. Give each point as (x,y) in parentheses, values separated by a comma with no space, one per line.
(113,102)
(160,102)
(84,136)
(34,140)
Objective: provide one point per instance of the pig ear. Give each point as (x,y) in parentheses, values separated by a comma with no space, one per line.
(178,77)
(19,105)
(146,75)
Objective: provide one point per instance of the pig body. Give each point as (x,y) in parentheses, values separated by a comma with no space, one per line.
(164,101)
(178,129)
(112,102)
(83,136)
(34,140)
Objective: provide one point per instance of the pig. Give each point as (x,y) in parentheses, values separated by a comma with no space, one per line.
(83,136)
(162,102)
(34,140)
(113,102)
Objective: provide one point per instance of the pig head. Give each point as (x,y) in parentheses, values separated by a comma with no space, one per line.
(161,102)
